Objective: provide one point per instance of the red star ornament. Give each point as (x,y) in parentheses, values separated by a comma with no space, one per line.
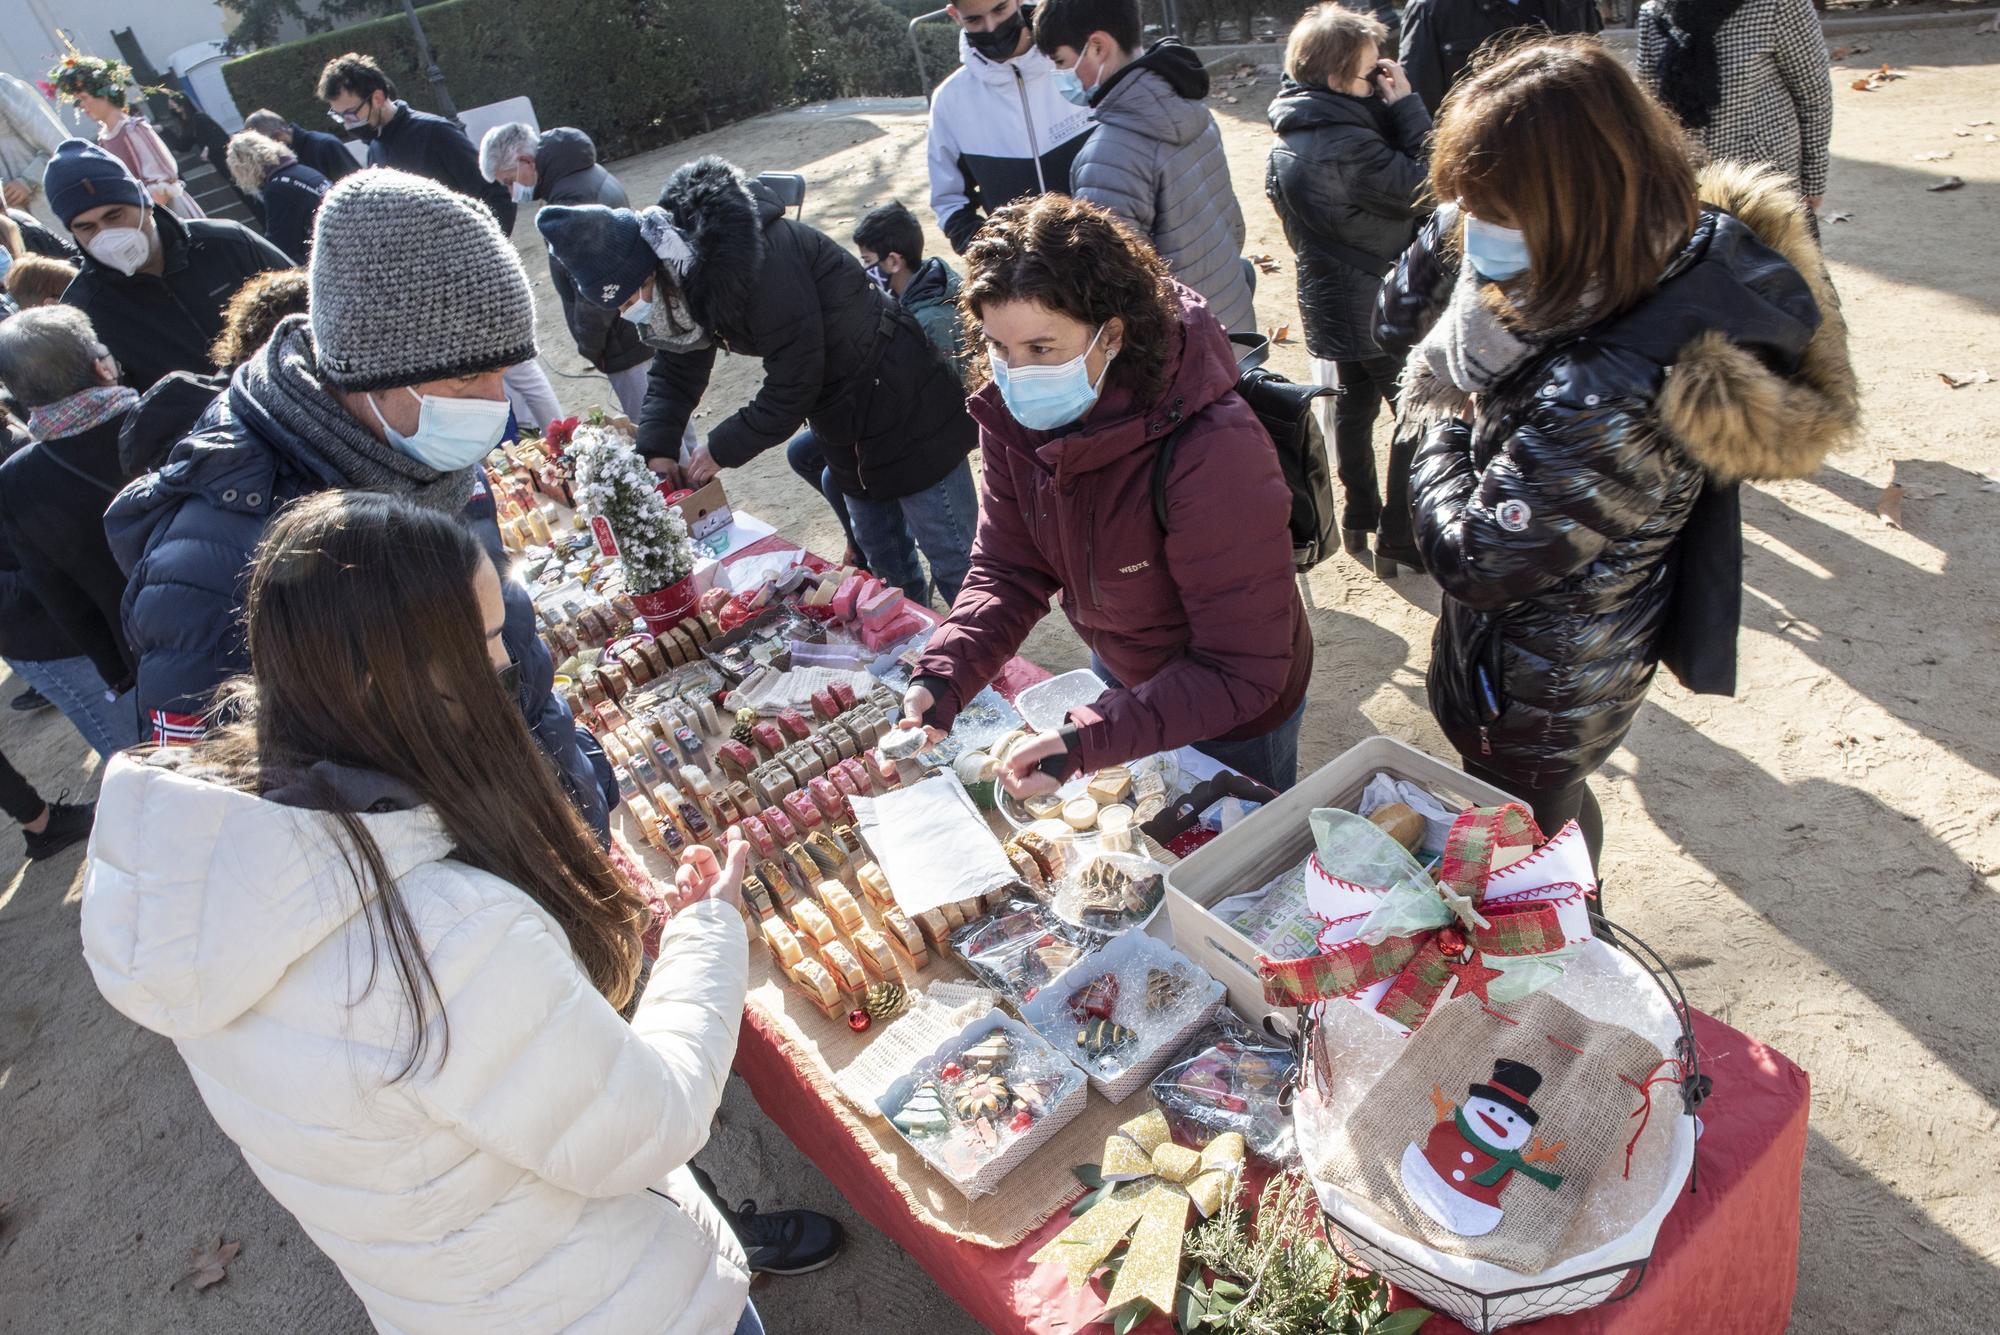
(1473,976)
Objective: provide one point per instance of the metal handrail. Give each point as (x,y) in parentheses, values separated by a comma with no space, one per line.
(917,50)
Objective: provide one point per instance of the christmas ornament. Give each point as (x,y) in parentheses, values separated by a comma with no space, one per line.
(1164,989)
(982,1096)
(859,1020)
(1103,1038)
(1096,999)
(1159,1180)
(1396,938)
(923,1113)
(884,1000)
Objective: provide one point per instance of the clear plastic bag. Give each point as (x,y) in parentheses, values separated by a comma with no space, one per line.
(1231,1078)
(1019,950)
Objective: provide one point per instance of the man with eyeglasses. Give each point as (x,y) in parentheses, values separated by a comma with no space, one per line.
(361,98)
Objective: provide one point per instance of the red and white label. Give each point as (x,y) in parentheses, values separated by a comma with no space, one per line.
(605,542)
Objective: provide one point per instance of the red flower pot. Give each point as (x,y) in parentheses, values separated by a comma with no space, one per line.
(666,608)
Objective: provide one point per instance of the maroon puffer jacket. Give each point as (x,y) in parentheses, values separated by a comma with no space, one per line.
(1202,623)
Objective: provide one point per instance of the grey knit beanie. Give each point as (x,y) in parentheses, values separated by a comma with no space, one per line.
(413,282)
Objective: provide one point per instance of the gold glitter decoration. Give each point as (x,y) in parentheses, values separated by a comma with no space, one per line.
(1153,1206)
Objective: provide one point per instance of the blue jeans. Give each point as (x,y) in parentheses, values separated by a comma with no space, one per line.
(808,460)
(73,686)
(1272,759)
(751,1324)
(940,519)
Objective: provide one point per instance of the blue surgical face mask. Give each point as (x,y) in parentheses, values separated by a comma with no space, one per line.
(639,313)
(1070,84)
(1043,398)
(451,433)
(1495,253)
(522,193)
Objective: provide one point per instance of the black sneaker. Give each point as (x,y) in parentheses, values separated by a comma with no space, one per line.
(30,701)
(787,1242)
(69,822)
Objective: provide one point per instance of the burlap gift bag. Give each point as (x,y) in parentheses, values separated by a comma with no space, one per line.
(1494,1128)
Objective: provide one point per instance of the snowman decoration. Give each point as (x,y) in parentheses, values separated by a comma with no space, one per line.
(1475,1149)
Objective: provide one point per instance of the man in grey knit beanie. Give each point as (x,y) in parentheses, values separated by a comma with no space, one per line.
(413,282)
(391,382)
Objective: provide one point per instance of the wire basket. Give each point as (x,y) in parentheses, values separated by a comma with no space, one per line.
(1485,1311)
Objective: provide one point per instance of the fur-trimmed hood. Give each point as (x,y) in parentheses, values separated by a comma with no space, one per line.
(1758,382)
(723,215)
(1739,418)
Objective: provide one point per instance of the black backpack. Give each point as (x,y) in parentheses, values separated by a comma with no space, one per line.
(1285,409)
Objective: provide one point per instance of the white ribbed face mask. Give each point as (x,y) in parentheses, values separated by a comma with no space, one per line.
(125,249)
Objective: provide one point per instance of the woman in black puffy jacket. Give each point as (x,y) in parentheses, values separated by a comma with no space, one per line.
(1346,177)
(1618,339)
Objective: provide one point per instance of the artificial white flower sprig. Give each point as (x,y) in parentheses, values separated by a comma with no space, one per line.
(613,481)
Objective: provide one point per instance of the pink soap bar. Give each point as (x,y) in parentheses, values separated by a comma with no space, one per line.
(880,605)
(799,806)
(879,635)
(826,796)
(845,779)
(779,824)
(759,837)
(850,590)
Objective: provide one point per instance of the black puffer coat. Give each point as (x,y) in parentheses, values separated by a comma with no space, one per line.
(839,353)
(1346,177)
(1550,518)
(1439,37)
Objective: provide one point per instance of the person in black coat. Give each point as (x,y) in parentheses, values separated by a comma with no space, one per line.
(718,264)
(53,494)
(359,94)
(289,190)
(1346,177)
(1560,464)
(153,285)
(560,166)
(39,240)
(1440,37)
(325,153)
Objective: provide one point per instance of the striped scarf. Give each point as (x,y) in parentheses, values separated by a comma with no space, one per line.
(80,411)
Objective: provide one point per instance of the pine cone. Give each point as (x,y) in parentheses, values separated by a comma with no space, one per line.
(884,1000)
(741,733)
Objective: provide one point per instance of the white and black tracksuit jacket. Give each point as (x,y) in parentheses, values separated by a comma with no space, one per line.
(999,131)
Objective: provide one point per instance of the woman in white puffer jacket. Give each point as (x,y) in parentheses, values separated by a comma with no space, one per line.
(393,958)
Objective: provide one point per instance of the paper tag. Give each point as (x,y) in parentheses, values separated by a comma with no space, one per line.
(605,542)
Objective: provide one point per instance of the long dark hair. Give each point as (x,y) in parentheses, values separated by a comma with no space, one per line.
(1077,259)
(1556,136)
(367,649)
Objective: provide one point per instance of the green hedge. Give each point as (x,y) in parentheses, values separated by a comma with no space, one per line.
(634,74)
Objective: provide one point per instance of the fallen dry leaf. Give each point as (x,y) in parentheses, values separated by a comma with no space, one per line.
(1838,217)
(1991,25)
(1877,78)
(1948,183)
(1935,155)
(1962,134)
(1266,264)
(1967,378)
(1231,98)
(1989,482)
(1843,52)
(1282,334)
(1863,85)
(1889,507)
(1973,125)
(211,1263)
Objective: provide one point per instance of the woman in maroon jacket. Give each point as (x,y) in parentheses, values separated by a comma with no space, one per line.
(1095,355)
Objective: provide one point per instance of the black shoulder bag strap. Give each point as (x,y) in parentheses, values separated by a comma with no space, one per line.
(1253,351)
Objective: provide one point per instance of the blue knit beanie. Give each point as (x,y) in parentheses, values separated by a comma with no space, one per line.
(605,253)
(82,176)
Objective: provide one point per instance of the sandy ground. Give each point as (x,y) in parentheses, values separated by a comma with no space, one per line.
(1817,857)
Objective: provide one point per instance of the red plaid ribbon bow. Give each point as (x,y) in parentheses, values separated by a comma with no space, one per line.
(1422,964)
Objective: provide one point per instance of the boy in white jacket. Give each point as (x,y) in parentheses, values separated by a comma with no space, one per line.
(999,129)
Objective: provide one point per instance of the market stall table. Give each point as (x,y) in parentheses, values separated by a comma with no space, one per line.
(1725,1260)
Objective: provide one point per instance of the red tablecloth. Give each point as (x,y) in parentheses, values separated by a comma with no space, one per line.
(1726,1262)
